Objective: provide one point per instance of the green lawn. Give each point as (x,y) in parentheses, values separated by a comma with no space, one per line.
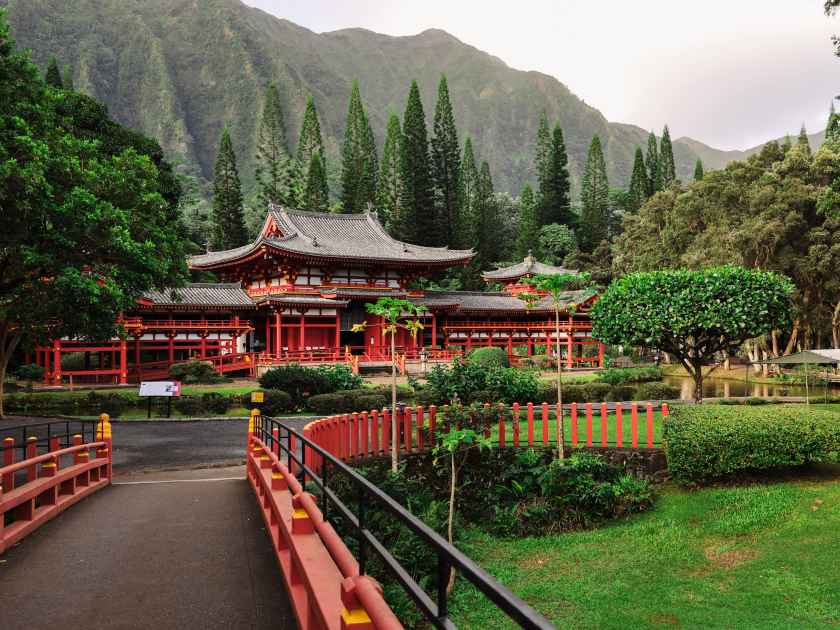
(763,556)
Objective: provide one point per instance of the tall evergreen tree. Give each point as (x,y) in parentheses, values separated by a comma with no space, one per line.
(638,190)
(467,234)
(228,215)
(595,199)
(652,163)
(446,167)
(698,170)
(274,172)
(389,184)
(53,76)
(316,194)
(529,228)
(832,129)
(554,190)
(418,223)
(541,156)
(310,141)
(67,79)
(803,141)
(668,171)
(358,158)
(488,244)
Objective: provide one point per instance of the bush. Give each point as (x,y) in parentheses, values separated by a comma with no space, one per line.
(340,376)
(276,402)
(466,379)
(657,391)
(329,404)
(621,392)
(704,442)
(585,392)
(489,357)
(193,372)
(188,405)
(367,402)
(30,372)
(624,376)
(298,381)
(215,403)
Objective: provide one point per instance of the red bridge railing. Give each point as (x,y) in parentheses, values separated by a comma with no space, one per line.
(39,486)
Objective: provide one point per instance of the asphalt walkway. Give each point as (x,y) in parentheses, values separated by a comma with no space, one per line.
(183,549)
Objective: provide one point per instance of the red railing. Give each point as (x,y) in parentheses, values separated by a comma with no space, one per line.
(187,324)
(369,433)
(322,577)
(501,326)
(48,487)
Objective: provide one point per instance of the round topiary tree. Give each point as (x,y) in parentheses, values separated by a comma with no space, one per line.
(693,315)
(489,357)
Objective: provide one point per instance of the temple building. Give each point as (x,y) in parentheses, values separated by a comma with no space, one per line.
(295,293)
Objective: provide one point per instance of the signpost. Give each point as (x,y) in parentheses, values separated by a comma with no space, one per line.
(160,389)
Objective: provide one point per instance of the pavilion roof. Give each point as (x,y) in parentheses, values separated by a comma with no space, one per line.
(302,300)
(530,266)
(333,236)
(200,294)
(828,356)
(499,302)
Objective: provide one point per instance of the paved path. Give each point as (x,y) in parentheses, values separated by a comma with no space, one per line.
(180,550)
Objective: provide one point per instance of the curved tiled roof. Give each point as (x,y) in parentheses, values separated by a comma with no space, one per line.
(342,236)
(484,302)
(530,266)
(201,294)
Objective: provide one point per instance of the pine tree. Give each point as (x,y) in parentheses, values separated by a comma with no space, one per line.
(228,215)
(310,141)
(67,79)
(803,141)
(786,144)
(595,199)
(698,170)
(389,183)
(446,167)
(53,76)
(652,162)
(418,223)
(529,229)
(638,190)
(541,157)
(667,167)
(467,234)
(832,129)
(358,158)
(488,245)
(316,195)
(274,171)
(554,190)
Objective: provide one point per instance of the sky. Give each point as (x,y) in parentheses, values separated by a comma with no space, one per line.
(730,73)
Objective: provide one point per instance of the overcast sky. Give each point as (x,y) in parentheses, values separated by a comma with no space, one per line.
(730,73)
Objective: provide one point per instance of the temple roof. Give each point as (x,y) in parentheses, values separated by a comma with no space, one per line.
(333,236)
(200,294)
(530,266)
(485,302)
(301,300)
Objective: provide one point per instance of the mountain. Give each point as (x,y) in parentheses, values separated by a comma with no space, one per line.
(179,70)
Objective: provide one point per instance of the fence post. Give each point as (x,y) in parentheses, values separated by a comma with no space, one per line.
(545,423)
(502,430)
(354,435)
(421,424)
(8,480)
(604,414)
(432,421)
(364,434)
(574,413)
(103,434)
(589,424)
(649,425)
(31,451)
(619,429)
(374,432)
(516,425)
(530,415)
(407,429)
(634,424)
(386,431)
(664,410)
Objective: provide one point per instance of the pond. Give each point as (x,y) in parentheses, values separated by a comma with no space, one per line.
(727,388)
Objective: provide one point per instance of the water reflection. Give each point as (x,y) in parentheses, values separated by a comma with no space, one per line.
(725,388)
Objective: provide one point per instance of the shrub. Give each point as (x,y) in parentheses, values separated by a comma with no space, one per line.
(489,357)
(276,402)
(704,442)
(624,376)
(215,403)
(656,391)
(404,393)
(193,372)
(366,402)
(73,361)
(466,379)
(188,405)
(332,403)
(340,376)
(585,392)
(621,392)
(30,372)
(298,381)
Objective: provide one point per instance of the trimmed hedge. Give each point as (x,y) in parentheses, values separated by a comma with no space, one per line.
(489,357)
(626,376)
(276,402)
(657,391)
(704,442)
(193,372)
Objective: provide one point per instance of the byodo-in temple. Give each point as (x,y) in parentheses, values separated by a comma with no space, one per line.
(294,294)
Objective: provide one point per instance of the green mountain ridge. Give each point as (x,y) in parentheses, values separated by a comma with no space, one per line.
(179,70)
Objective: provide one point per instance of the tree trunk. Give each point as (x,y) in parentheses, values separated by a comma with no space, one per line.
(8,344)
(794,334)
(695,369)
(395,451)
(835,326)
(561,438)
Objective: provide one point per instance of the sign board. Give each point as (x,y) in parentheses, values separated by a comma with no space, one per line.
(257,397)
(160,388)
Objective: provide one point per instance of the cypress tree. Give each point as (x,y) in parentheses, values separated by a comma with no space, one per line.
(638,182)
(541,157)
(274,172)
(698,170)
(228,216)
(652,162)
(53,76)
(419,222)
(832,129)
(389,183)
(358,158)
(595,199)
(467,235)
(67,79)
(786,144)
(668,173)
(446,167)
(529,229)
(316,195)
(488,245)
(554,190)
(310,141)
(802,140)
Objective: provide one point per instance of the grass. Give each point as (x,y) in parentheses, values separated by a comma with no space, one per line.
(762,556)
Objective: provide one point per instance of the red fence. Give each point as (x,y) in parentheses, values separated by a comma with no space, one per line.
(38,487)
(321,575)
(364,434)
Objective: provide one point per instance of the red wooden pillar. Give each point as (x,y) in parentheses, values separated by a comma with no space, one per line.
(600,355)
(170,349)
(267,334)
(337,330)
(57,361)
(123,361)
(47,374)
(137,351)
(278,334)
(302,332)
(510,344)
(434,330)
(469,340)
(570,360)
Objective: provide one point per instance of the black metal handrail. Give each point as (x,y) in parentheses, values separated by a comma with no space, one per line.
(448,556)
(64,430)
